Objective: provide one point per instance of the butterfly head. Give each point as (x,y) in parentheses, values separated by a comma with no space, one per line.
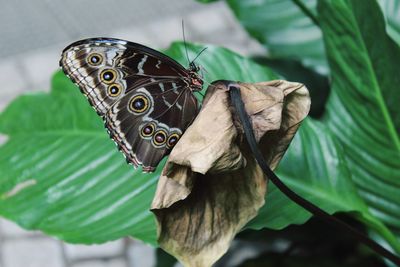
(196,80)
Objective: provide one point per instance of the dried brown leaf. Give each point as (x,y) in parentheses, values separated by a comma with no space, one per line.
(211,185)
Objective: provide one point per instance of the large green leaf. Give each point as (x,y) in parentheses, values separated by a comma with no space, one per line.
(61,173)
(362,117)
(286,28)
(290,28)
(363,111)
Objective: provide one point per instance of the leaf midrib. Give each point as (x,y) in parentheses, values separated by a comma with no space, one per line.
(376,87)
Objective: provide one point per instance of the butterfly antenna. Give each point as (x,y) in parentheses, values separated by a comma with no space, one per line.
(184,42)
(202,50)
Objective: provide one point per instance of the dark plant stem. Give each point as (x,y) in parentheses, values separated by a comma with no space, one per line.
(306,11)
(237,102)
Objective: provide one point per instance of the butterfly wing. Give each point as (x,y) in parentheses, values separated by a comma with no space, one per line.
(146,137)
(143,96)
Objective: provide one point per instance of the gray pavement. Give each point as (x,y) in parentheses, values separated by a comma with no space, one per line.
(32,35)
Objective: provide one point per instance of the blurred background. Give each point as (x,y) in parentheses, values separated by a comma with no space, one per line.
(33,34)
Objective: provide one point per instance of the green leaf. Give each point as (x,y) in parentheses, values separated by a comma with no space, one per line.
(363,111)
(362,118)
(290,28)
(61,173)
(285,27)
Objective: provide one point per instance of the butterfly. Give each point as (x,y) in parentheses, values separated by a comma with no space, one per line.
(145,98)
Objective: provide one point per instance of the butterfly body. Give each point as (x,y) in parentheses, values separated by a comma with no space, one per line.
(145,97)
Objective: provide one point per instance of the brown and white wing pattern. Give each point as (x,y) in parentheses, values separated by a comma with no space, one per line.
(145,98)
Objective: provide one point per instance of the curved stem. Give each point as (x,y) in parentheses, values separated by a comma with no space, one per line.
(237,102)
